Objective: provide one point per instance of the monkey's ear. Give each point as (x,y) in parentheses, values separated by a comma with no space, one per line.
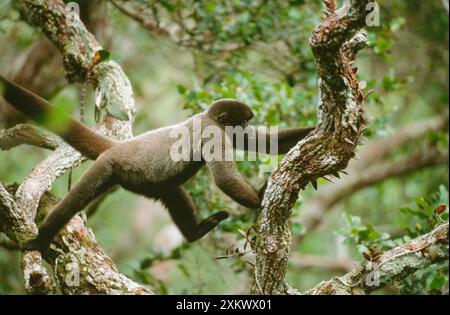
(222,118)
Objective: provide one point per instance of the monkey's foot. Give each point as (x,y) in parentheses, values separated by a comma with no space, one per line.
(208,224)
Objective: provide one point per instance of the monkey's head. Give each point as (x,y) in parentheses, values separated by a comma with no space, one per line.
(230,112)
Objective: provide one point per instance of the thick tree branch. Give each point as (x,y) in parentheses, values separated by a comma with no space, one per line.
(326,150)
(41,70)
(14,222)
(27,134)
(37,279)
(18,227)
(75,249)
(80,264)
(393,265)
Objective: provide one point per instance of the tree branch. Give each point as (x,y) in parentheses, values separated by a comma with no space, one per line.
(28,134)
(75,249)
(146,23)
(393,265)
(326,150)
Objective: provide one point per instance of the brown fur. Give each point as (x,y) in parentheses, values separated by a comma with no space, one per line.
(143,165)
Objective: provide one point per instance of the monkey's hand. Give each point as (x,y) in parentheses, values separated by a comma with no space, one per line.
(209,223)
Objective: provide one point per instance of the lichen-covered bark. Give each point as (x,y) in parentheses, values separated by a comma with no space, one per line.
(75,249)
(14,222)
(325,151)
(79,263)
(18,227)
(391,266)
(27,134)
(37,278)
(77,47)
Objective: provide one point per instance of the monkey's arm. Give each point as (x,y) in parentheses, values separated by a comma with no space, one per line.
(287,138)
(182,211)
(82,138)
(97,179)
(231,182)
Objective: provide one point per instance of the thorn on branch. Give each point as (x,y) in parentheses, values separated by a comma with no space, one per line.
(314,183)
(355,129)
(367,94)
(349,141)
(331,6)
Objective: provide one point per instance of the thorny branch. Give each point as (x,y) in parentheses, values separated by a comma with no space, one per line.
(393,265)
(325,151)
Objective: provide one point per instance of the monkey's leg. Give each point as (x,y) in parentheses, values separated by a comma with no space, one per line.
(97,179)
(182,209)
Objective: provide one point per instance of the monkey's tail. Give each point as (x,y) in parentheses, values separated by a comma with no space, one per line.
(83,139)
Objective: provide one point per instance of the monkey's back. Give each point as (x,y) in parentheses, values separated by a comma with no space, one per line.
(145,162)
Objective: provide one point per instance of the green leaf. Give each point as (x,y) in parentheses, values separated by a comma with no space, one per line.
(100,56)
(443,195)
(115,57)
(397,23)
(413,212)
(435,281)
(181,89)
(444,215)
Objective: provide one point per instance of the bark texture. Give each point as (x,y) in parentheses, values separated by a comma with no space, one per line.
(325,151)
(79,263)
(391,266)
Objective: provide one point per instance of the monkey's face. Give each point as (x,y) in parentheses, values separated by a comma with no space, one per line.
(229,112)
